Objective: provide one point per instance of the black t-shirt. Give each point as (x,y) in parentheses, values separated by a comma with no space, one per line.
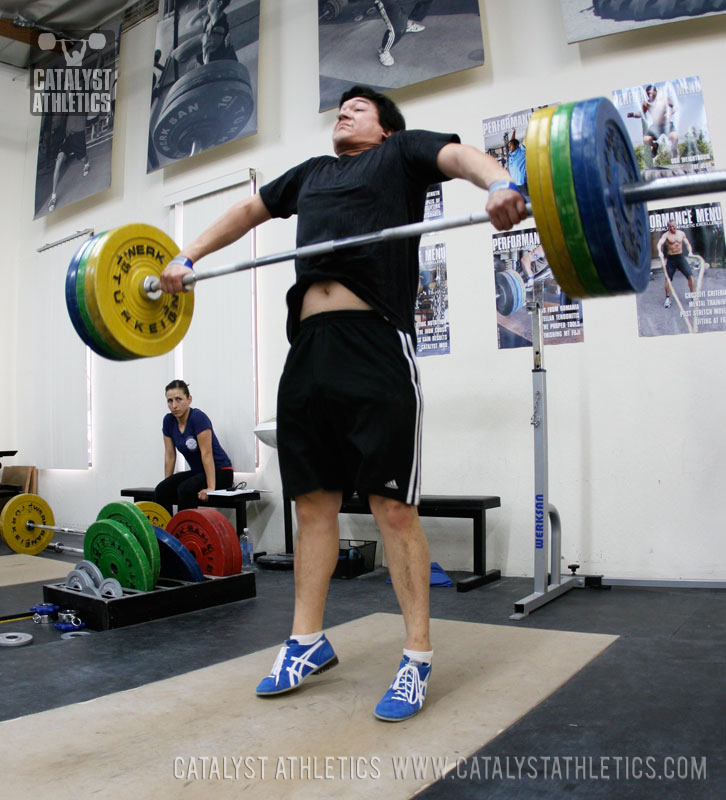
(335,198)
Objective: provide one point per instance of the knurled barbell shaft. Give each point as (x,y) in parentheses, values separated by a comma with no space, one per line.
(640,192)
(56,528)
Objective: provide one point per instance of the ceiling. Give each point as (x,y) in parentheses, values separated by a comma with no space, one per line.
(22,22)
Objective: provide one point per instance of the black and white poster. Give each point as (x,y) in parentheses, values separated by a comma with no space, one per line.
(519,264)
(687,288)
(75,96)
(388,44)
(667,125)
(588,19)
(204,89)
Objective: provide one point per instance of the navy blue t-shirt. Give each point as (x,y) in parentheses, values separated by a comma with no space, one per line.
(186,443)
(335,198)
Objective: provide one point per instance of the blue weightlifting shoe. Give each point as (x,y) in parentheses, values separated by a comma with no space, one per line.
(296,662)
(405,696)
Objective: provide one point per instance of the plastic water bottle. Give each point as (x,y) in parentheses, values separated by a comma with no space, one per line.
(246,548)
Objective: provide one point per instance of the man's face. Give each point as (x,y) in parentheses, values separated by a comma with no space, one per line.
(672,225)
(652,92)
(357,127)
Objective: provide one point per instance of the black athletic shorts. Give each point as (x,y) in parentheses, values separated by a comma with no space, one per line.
(74,144)
(678,261)
(349,409)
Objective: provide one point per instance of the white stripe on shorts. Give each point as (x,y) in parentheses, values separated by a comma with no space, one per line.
(413,492)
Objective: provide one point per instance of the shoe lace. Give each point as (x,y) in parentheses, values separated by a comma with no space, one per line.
(279,661)
(407,686)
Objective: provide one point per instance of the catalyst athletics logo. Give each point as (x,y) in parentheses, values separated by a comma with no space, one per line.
(82,86)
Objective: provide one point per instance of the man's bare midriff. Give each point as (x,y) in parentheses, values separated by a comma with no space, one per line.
(330,296)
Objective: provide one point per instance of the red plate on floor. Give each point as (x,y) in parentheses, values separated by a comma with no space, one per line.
(204,541)
(226,529)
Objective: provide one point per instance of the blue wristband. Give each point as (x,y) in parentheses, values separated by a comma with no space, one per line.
(183,260)
(499,185)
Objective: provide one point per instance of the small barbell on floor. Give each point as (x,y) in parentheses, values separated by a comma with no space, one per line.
(121,541)
(587,201)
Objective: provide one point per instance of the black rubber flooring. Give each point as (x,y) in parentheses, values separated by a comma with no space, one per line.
(647,719)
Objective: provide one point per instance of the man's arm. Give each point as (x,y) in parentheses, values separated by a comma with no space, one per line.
(505,207)
(659,248)
(232,225)
(687,242)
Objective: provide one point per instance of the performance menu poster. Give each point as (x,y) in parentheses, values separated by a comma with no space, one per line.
(519,263)
(688,269)
(431,310)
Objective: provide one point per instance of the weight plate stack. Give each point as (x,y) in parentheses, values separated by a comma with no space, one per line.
(225,529)
(155,513)
(176,561)
(603,161)
(544,206)
(564,189)
(134,323)
(201,537)
(80,318)
(118,554)
(135,521)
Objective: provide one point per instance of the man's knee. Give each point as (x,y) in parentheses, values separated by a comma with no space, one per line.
(316,506)
(392,513)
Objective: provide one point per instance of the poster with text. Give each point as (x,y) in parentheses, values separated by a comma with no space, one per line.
(687,288)
(519,264)
(432,300)
(588,19)
(431,310)
(204,77)
(75,96)
(667,125)
(389,44)
(505,139)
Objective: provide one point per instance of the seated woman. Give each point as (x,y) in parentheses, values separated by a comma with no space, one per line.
(190,431)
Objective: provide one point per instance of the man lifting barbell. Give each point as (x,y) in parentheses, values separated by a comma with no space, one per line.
(349,401)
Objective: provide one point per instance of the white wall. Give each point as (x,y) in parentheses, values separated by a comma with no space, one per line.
(633,437)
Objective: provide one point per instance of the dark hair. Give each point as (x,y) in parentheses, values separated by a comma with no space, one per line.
(389,116)
(514,141)
(178,384)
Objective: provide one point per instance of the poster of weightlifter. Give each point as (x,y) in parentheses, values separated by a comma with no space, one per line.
(519,263)
(75,96)
(394,43)
(667,125)
(687,288)
(204,84)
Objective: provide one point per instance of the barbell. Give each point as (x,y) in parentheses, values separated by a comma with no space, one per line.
(587,200)
(126,543)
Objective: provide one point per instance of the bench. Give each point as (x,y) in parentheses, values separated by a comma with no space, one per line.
(236,501)
(473,507)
